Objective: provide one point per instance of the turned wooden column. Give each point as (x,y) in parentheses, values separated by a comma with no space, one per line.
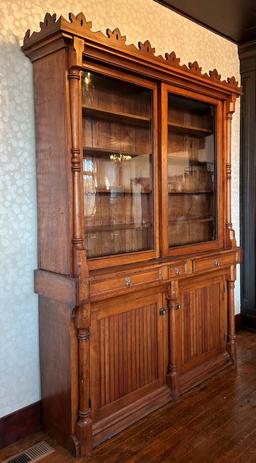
(173,306)
(230,240)
(75,87)
(83,430)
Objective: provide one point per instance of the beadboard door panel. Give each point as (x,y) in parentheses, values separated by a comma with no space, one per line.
(201,321)
(128,352)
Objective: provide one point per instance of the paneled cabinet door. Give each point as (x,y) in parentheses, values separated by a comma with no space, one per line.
(201,326)
(128,352)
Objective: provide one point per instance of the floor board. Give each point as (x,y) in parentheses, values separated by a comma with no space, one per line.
(216,423)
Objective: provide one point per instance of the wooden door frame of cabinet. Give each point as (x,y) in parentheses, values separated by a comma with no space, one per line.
(139,256)
(220,162)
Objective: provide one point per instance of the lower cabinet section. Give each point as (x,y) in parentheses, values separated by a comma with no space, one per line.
(148,349)
(128,361)
(107,364)
(201,329)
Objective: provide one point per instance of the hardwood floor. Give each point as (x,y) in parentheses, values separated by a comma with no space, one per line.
(214,423)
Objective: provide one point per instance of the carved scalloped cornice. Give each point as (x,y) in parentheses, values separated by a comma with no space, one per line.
(78,25)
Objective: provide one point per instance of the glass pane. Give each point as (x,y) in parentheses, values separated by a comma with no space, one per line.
(118,166)
(191,171)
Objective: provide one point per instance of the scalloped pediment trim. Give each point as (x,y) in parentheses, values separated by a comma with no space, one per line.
(78,25)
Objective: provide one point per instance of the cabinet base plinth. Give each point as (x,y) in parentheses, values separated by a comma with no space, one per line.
(84,437)
(204,372)
(113,424)
(173,383)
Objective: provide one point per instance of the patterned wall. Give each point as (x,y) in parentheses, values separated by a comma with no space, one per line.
(140,20)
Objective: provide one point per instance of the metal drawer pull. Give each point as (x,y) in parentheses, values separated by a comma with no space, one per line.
(177,270)
(163,310)
(128,282)
(217,263)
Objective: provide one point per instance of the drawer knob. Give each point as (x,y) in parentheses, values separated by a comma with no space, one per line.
(217,263)
(128,282)
(177,270)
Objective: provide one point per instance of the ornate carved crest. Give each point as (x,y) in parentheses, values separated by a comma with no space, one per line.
(78,25)
(80,21)
(116,36)
(232,81)
(172,60)
(146,49)
(214,75)
(195,68)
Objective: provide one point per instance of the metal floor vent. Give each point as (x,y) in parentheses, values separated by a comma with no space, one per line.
(35,453)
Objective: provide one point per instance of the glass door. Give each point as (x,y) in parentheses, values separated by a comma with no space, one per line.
(118,167)
(192,175)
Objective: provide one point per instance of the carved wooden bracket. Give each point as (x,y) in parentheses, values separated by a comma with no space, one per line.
(172,293)
(76,53)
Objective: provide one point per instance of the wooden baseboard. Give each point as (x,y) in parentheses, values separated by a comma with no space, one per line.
(204,372)
(111,425)
(238,322)
(20,424)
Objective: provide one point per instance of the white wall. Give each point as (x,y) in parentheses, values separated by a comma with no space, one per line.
(140,20)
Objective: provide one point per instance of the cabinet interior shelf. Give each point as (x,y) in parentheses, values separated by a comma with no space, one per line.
(190,192)
(186,129)
(190,220)
(116,116)
(116,227)
(189,161)
(106,153)
(118,192)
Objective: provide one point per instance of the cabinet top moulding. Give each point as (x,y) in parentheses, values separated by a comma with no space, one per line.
(54,32)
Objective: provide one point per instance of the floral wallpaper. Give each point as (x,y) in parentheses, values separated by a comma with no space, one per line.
(140,20)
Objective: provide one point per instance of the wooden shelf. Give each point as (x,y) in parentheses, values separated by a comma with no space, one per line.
(189,129)
(191,162)
(191,220)
(190,192)
(116,192)
(116,116)
(105,152)
(115,227)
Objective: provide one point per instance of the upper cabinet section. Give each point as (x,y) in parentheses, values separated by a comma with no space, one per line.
(118,165)
(135,147)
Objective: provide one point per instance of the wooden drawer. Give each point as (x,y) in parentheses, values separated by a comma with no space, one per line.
(126,281)
(214,262)
(179,269)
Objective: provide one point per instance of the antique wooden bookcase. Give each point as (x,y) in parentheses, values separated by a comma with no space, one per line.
(137,256)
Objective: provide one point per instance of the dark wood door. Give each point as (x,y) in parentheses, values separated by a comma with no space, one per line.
(201,327)
(128,352)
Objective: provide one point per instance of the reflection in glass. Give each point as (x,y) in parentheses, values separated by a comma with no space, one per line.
(117,166)
(191,171)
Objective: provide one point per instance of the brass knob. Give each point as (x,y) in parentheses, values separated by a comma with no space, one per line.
(128,282)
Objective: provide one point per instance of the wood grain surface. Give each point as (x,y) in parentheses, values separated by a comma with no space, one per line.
(214,424)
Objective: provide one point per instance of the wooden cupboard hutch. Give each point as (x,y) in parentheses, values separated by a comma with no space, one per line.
(137,254)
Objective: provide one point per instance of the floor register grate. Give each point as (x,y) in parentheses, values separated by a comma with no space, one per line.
(35,453)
